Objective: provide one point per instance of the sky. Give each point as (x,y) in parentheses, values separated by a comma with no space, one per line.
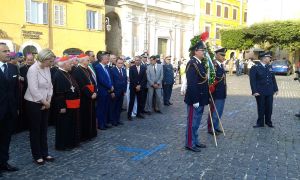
(270,10)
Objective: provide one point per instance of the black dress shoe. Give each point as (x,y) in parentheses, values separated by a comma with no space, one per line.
(270,125)
(257,126)
(194,149)
(107,126)
(140,116)
(39,162)
(166,104)
(297,115)
(49,158)
(120,123)
(159,112)
(170,103)
(201,145)
(129,118)
(219,131)
(212,133)
(7,167)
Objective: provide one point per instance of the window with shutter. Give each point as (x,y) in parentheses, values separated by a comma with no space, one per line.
(226,12)
(56,14)
(36,12)
(100,22)
(219,10)
(234,14)
(94,20)
(45,13)
(59,15)
(28,10)
(207,8)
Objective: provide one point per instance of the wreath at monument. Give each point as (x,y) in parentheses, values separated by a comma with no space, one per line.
(208,55)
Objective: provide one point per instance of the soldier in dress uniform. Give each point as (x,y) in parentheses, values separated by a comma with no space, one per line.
(196,96)
(263,86)
(218,90)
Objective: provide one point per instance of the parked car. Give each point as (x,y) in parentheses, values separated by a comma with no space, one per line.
(282,67)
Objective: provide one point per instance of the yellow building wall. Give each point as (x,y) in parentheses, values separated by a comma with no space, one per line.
(221,22)
(74,34)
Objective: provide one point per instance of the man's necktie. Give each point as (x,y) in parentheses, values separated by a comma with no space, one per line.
(5,71)
(120,72)
(154,69)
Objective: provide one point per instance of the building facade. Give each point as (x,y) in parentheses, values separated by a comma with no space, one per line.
(215,15)
(162,27)
(65,26)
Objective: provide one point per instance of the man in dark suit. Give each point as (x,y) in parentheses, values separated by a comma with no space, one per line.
(119,81)
(8,105)
(138,82)
(263,86)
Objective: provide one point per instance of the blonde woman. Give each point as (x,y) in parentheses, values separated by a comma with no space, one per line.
(38,98)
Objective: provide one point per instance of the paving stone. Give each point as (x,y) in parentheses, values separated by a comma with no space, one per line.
(244,153)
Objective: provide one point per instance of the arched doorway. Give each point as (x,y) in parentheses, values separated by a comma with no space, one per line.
(113,39)
(30,49)
(72,51)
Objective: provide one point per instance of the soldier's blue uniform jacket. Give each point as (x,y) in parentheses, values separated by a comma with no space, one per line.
(262,80)
(197,83)
(221,87)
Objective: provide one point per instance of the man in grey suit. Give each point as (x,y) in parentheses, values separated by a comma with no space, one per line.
(154,84)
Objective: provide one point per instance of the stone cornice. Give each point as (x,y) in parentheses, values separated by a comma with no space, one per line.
(154,8)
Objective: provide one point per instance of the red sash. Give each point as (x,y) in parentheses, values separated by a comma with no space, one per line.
(73,104)
(91,87)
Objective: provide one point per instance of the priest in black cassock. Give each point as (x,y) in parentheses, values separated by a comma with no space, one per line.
(84,78)
(66,103)
(22,120)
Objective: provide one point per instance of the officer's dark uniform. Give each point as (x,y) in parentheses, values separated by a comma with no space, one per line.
(262,81)
(196,92)
(219,93)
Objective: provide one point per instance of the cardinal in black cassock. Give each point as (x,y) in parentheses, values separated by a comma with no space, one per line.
(83,77)
(66,104)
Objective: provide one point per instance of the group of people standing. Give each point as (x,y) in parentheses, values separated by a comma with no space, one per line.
(199,92)
(79,94)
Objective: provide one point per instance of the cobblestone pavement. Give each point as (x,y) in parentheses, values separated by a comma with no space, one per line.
(119,153)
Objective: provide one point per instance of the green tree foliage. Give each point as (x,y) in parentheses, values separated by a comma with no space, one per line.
(282,34)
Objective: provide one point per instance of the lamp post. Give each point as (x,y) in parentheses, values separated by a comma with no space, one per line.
(108,26)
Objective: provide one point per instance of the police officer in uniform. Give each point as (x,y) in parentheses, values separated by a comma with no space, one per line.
(263,86)
(196,96)
(218,90)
